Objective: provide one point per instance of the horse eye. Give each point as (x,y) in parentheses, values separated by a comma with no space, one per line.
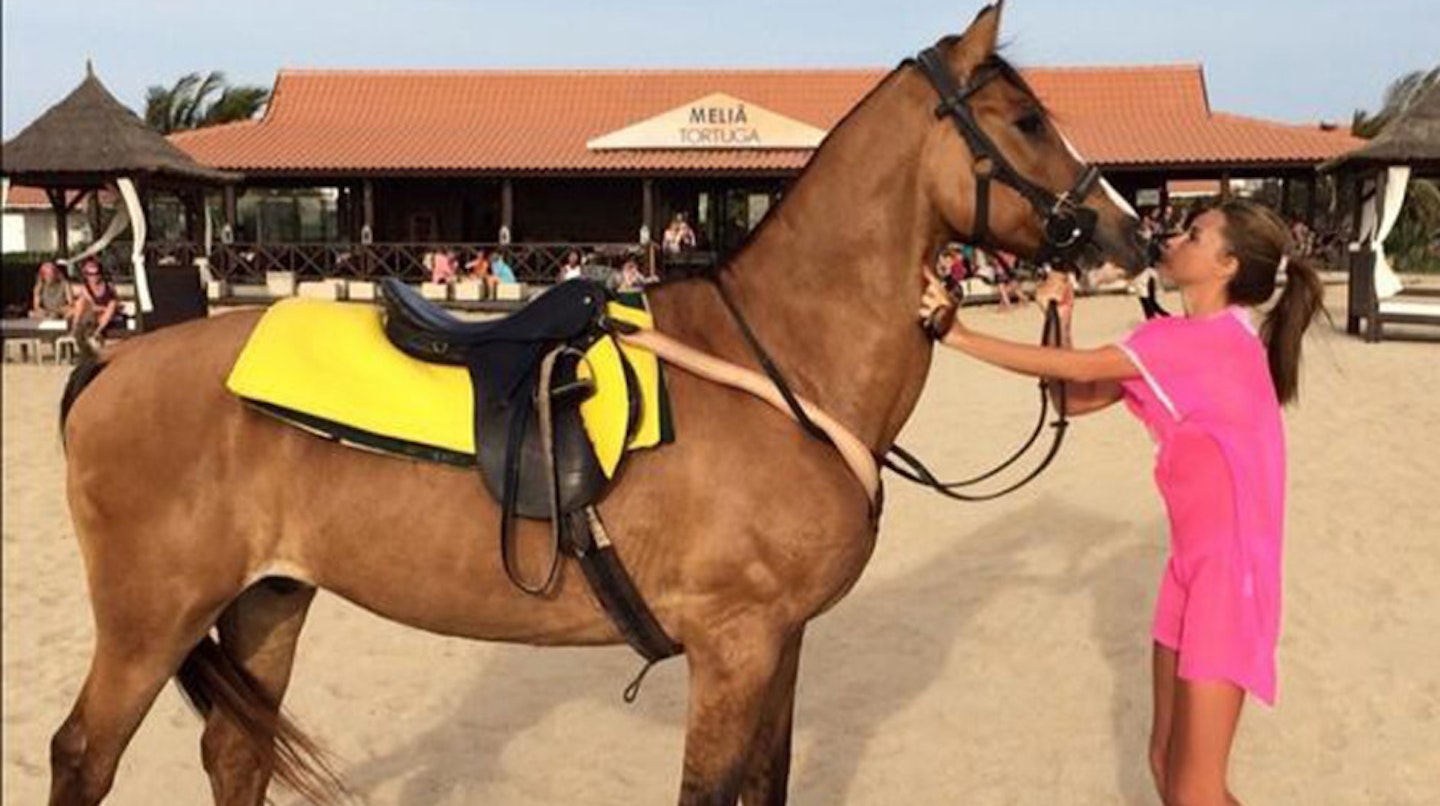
(1031,123)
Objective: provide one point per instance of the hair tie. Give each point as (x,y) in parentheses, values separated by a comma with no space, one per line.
(1284,261)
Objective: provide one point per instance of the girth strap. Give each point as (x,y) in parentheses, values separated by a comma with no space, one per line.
(614,588)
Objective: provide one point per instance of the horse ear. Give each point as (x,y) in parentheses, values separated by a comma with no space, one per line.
(979,41)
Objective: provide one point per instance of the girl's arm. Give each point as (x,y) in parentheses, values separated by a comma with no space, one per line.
(1081,366)
(1091,377)
(1080,397)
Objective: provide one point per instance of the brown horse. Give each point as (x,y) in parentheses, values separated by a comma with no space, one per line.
(196,513)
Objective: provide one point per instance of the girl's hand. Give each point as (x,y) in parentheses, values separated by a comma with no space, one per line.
(1058,289)
(937,306)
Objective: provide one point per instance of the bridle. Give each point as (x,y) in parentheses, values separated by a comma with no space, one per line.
(1067,227)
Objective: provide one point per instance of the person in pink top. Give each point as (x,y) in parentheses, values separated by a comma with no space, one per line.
(1208,386)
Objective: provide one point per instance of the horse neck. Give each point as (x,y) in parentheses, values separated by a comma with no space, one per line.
(831,285)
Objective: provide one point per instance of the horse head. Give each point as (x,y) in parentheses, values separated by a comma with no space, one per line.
(999,171)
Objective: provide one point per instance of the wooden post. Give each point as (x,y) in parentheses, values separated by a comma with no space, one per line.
(1224,185)
(507,204)
(1285,197)
(1356,307)
(367,208)
(230,207)
(647,205)
(62,225)
(92,211)
(194,217)
(1312,201)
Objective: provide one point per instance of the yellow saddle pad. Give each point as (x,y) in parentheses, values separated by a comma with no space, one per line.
(328,366)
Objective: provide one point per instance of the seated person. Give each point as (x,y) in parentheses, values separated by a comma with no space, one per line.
(678,237)
(52,297)
(571,269)
(442,267)
(631,278)
(479,269)
(1003,271)
(502,271)
(97,307)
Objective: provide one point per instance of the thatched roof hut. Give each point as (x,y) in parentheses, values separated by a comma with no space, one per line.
(89,141)
(90,138)
(1412,138)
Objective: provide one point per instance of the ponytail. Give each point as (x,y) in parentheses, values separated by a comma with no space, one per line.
(1284,328)
(1260,240)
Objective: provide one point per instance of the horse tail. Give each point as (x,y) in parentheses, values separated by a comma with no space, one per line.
(80,377)
(211,680)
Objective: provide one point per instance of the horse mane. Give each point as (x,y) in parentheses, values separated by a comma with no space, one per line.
(1002,66)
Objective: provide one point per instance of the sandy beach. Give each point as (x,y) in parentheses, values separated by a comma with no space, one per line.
(991,654)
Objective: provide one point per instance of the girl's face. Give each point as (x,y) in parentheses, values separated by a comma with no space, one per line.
(1199,254)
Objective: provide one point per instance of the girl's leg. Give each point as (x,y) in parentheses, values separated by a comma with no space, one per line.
(1206,714)
(1163,663)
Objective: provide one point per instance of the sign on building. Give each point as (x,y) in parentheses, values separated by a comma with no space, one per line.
(715,122)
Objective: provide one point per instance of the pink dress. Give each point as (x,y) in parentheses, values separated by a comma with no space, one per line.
(1205,394)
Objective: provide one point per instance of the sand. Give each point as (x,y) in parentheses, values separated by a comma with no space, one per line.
(991,654)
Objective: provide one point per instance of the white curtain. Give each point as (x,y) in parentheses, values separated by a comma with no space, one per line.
(203,262)
(137,254)
(1378,218)
(117,226)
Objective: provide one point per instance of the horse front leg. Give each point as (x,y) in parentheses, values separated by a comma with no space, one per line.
(732,675)
(767,776)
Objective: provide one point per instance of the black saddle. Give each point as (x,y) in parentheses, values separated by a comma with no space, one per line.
(505,359)
(530,442)
(426,331)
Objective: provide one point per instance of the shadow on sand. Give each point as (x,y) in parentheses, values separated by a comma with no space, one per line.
(853,680)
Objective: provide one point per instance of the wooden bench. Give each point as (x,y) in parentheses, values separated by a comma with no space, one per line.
(1367,314)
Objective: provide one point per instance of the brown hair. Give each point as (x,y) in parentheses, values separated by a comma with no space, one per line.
(1260,240)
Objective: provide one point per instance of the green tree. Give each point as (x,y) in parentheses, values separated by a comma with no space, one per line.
(197,101)
(1415,241)
(1398,97)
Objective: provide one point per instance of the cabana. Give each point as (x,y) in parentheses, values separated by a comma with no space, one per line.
(1408,147)
(89,142)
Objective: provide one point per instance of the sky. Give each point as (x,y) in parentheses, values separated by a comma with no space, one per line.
(1287,60)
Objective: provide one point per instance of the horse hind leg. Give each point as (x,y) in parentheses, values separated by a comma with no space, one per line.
(239,683)
(135,654)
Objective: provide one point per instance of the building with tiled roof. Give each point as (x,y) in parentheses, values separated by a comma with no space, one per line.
(592,156)
(523,122)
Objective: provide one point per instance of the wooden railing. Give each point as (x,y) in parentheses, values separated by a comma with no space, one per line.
(249,262)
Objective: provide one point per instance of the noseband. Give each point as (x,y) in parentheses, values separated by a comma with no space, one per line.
(1066,225)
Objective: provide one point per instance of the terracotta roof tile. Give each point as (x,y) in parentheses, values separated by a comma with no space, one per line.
(23,197)
(478,121)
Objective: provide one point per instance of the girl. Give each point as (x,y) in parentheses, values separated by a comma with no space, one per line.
(1208,385)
